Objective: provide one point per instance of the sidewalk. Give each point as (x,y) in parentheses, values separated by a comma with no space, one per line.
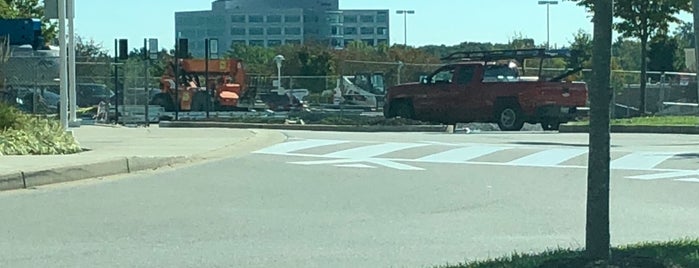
(119,150)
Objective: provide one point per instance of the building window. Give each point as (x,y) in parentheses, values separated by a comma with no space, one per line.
(350,19)
(256,31)
(368,41)
(367,18)
(237,31)
(334,18)
(274,43)
(238,42)
(238,18)
(256,19)
(367,30)
(337,42)
(310,18)
(259,43)
(274,31)
(336,30)
(292,30)
(350,30)
(292,18)
(274,18)
(382,17)
(382,31)
(293,42)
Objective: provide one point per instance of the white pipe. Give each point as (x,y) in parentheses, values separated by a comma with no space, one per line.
(63,65)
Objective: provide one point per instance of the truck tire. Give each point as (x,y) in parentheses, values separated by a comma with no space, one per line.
(199,101)
(402,109)
(163,100)
(550,125)
(510,118)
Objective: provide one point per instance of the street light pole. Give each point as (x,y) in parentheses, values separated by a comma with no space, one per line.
(405,23)
(548,20)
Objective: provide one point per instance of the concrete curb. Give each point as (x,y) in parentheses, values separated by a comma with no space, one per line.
(634,129)
(339,128)
(120,165)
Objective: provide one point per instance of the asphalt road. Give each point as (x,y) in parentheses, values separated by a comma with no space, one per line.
(357,200)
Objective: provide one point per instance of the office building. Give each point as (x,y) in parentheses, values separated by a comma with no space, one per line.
(271,23)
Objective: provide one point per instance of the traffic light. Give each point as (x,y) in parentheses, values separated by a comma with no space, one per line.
(183,48)
(123,49)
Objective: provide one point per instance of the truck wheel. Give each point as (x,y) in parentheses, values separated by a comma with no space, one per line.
(402,109)
(199,101)
(164,100)
(510,118)
(550,125)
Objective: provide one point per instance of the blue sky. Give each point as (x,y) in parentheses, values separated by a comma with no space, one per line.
(436,22)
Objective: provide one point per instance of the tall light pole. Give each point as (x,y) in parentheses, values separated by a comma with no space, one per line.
(405,22)
(548,20)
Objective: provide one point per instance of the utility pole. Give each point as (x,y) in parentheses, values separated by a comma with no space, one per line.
(548,20)
(405,23)
(63,58)
(695,4)
(597,234)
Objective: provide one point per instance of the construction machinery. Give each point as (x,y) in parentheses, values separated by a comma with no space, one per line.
(362,90)
(224,89)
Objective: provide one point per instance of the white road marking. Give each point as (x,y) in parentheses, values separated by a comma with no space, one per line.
(382,162)
(288,147)
(547,158)
(667,175)
(355,166)
(640,161)
(461,155)
(689,180)
(373,150)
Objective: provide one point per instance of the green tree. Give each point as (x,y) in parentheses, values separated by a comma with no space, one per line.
(644,19)
(257,59)
(662,54)
(34,9)
(581,50)
(627,53)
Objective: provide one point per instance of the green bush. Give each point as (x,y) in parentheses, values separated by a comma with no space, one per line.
(21,134)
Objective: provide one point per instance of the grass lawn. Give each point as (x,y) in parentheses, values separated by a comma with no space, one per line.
(676,254)
(653,121)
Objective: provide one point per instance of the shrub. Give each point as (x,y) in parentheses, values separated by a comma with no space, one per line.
(21,134)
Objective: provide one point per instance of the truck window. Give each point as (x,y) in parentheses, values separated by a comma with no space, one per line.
(500,73)
(465,75)
(443,76)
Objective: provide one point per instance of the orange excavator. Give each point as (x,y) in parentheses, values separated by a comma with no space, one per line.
(226,81)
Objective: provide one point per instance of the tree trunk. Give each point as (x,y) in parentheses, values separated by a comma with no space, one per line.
(644,74)
(597,236)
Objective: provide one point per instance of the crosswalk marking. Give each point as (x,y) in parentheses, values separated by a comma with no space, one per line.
(640,161)
(461,155)
(373,150)
(375,154)
(550,157)
(291,146)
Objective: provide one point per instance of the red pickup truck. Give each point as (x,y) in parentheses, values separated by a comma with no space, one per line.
(489,92)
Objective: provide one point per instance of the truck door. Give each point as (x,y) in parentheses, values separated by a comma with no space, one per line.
(437,100)
(464,102)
